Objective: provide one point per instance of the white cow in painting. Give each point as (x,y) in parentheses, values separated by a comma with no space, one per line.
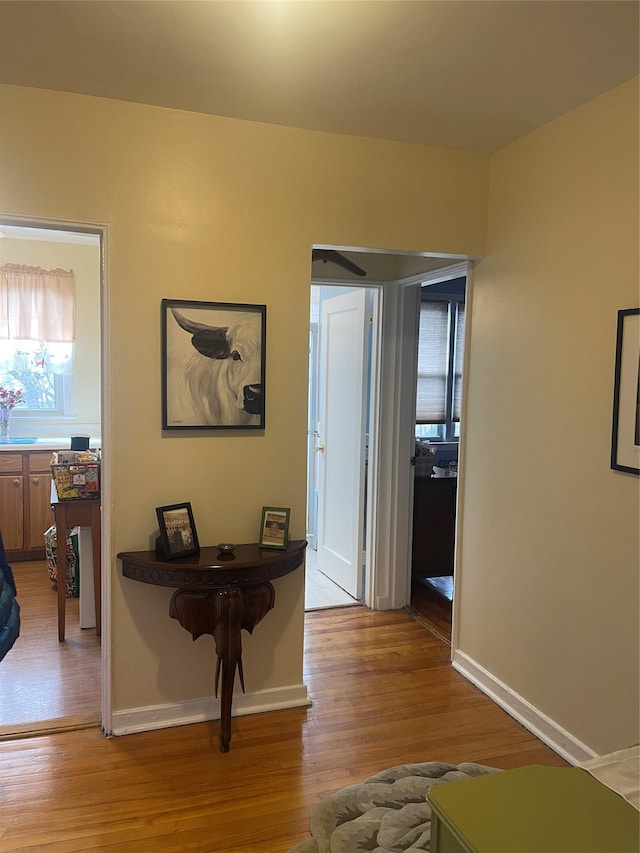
(217,380)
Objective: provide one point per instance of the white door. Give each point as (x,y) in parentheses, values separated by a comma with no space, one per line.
(340,446)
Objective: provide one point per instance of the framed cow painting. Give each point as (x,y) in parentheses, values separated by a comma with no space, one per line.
(213,365)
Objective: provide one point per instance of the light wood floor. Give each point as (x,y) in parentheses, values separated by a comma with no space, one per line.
(383,693)
(45,684)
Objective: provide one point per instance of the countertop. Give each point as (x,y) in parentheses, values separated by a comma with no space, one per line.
(16,446)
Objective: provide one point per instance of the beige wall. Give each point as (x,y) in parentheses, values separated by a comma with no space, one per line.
(209,208)
(85,262)
(548,585)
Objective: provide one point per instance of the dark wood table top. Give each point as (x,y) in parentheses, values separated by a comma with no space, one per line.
(210,569)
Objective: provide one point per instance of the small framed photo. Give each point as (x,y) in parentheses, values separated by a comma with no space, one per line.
(625,438)
(177,530)
(274,528)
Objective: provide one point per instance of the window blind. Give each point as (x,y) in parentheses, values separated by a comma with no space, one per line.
(433,351)
(457,364)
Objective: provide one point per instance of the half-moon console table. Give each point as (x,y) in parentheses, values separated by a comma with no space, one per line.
(219,594)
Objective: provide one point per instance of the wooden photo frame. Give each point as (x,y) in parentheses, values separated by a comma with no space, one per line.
(274,527)
(625,438)
(177,530)
(213,365)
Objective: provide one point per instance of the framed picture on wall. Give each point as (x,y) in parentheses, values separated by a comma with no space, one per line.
(213,365)
(625,440)
(177,530)
(274,527)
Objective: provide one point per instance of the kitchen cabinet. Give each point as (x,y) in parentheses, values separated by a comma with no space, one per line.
(11,501)
(25,502)
(39,498)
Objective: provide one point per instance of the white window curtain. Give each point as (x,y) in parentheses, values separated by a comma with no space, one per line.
(37,319)
(36,304)
(433,354)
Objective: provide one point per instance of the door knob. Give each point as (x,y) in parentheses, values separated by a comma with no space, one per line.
(16,482)
(35,481)
(319,448)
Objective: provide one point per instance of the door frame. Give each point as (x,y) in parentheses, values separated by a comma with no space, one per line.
(388,584)
(312,417)
(390,525)
(102,230)
(389,511)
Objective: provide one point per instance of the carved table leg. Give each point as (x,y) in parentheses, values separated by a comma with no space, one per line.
(223,613)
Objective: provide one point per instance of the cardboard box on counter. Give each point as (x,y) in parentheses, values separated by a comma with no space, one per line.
(75,482)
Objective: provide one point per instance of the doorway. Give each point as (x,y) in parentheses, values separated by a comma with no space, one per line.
(397,277)
(339,427)
(46,685)
(438,417)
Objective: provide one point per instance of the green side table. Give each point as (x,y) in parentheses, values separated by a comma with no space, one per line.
(532,810)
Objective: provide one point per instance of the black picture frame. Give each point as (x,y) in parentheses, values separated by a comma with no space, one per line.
(213,365)
(625,436)
(177,530)
(274,527)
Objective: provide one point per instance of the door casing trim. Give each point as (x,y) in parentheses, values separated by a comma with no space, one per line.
(102,230)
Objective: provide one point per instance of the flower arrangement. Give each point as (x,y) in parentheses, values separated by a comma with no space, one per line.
(9,398)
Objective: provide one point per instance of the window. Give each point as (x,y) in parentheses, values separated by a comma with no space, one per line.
(36,337)
(440,356)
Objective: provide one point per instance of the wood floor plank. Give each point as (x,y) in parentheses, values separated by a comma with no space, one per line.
(45,684)
(383,693)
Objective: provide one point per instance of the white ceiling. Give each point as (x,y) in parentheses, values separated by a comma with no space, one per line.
(471,74)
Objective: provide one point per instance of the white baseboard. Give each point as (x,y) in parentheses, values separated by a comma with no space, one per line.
(544,728)
(206,708)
